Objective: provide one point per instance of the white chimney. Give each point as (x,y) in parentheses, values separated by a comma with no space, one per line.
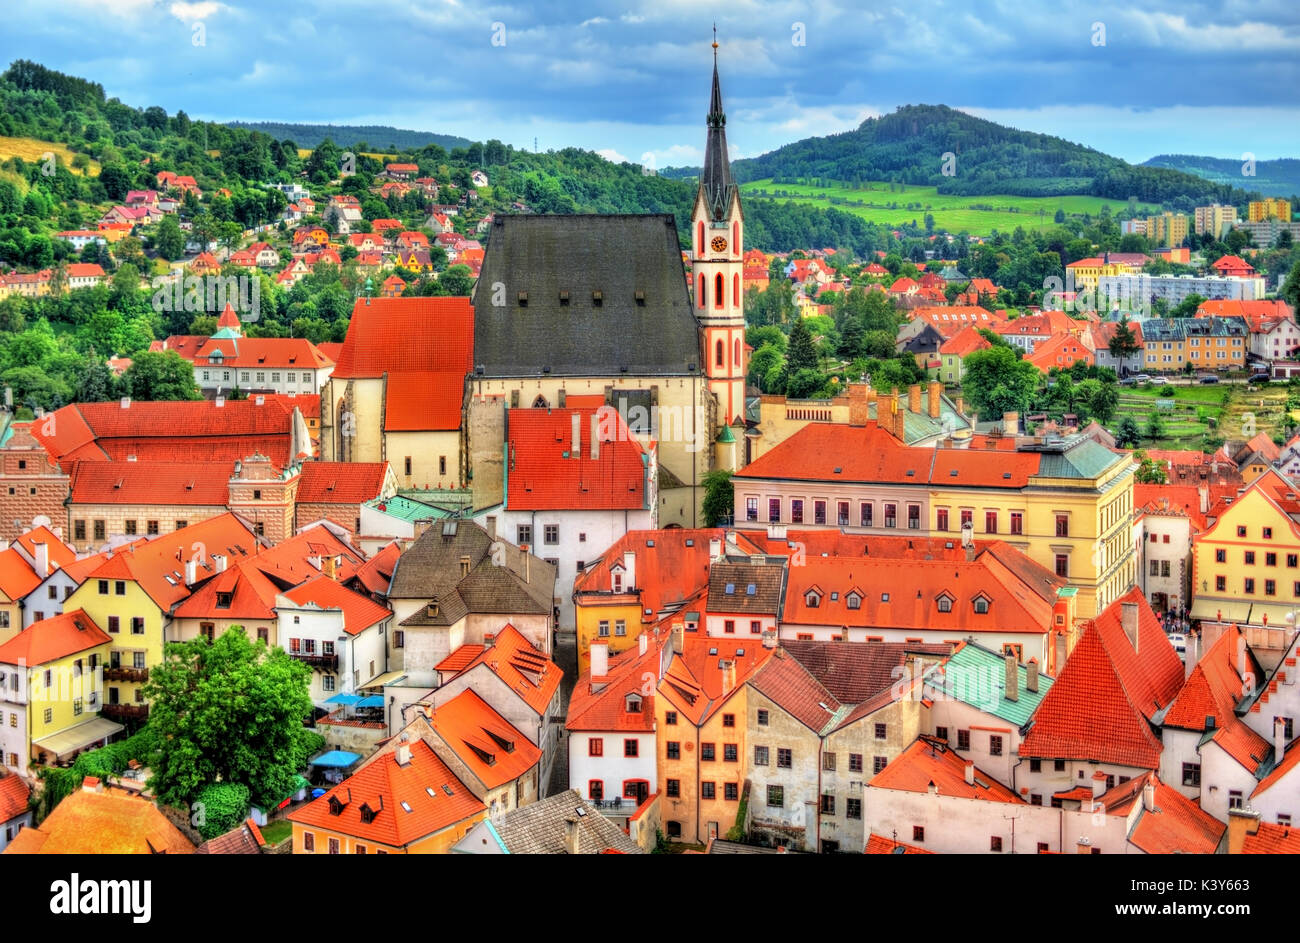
(599,659)
(126,402)
(191,571)
(1031,677)
(1149,795)
(629,571)
(575,437)
(1098,783)
(220,560)
(259,400)
(403,754)
(595,437)
(728,676)
(42,557)
(1012,691)
(219,402)
(1279,739)
(970,773)
(643,643)
(715,548)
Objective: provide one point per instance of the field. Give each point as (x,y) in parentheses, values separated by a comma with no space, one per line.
(34,151)
(978,215)
(1227,411)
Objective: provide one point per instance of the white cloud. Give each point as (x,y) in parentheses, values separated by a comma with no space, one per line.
(612,155)
(594,21)
(192,12)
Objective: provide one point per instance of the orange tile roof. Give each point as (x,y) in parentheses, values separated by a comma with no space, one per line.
(928,761)
(487,743)
(1212,690)
(603,706)
(112,822)
(53,638)
(1060,350)
(1169,499)
(966,341)
(787,683)
(17,578)
(60,554)
(524,668)
(1101,706)
(673,570)
(14,792)
(545,475)
(456,662)
(252,595)
(1272,840)
(377,573)
(879,845)
(421,400)
(228,317)
(262,353)
(341,482)
(695,682)
(399,335)
(359,612)
(192,484)
(435,797)
(1176,825)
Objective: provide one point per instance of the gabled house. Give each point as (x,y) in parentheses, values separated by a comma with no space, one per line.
(562,824)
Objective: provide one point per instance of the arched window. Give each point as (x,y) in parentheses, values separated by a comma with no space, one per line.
(735,289)
(699,240)
(737,358)
(719,354)
(719,289)
(540,403)
(735,237)
(700,301)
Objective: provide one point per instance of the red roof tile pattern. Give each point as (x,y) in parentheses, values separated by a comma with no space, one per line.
(53,638)
(425,785)
(673,570)
(1272,840)
(1176,825)
(524,668)
(60,554)
(966,341)
(192,484)
(341,482)
(603,706)
(788,684)
(377,573)
(879,845)
(17,578)
(695,682)
(14,792)
(487,743)
(112,822)
(929,761)
(456,662)
(544,473)
(359,612)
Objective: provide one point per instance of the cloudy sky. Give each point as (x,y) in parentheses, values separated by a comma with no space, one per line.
(631,80)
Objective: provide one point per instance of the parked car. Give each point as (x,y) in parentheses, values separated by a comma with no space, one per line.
(1179,642)
(1142,378)
(1259,378)
(1129,381)
(1161,381)
(1210,378)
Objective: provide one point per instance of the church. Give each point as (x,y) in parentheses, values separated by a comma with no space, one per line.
(588,310)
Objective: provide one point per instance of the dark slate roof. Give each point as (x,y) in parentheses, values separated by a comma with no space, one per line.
(431,569)
(766,578)
(855,671)
(615,255)
(538,829)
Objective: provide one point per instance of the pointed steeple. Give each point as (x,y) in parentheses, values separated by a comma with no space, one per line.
(715,177)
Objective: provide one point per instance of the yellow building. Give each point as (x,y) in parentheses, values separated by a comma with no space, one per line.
(1214,219)
(52,691)
(1088,272)
(1259,211)
(402,801)
(1246,566)
(1167,229)
(1207,343)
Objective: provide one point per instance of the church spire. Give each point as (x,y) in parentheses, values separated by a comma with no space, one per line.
(715,177)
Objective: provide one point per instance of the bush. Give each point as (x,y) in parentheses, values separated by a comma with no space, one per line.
(219,808)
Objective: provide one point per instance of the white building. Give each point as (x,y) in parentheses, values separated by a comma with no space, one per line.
(1131,291)
(1164,550)
(340,634)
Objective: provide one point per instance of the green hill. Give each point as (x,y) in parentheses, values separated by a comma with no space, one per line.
(1272,177)
(378,137)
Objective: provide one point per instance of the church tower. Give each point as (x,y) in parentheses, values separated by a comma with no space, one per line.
(717,270)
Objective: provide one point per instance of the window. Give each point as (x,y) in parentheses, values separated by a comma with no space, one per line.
(673,750)
(1234,799)
(327,682)
(1062,525)
(729,626)
(1221,584)
(855,762)
(941,733)
(1164,567)
(995,745)
(620,627)
(760,756)
(551,533)
(49,713)
(596,789)
(399,638)
(775,797)
(918,833)
(755,626)
(1035,799)
(442,464)
(130,529)
(774,509)
(819,512)
(784,758)
(114,625)
(891,515)
(708,790)
(796,511)
(1270,559)
(706,752)
(1293,560)
(1241,530)
(1284,818)
(596,747)
(728,720)
(914,517)
(828,804)
(137,625)
(1270,587)
(79,530)
(1248,586)
(990,522)
(762,717)
(1017,522)
(751,509)
(995,844)
(524,533)
(731,792)
(1063,564)
(1286,726)
(1155,567)
(76,707)
(602,628)
(967,517)
(1192,774)
(842,512)
(882,732)
(1035,766)
(1058,766)
(309,841)
(878,763)
(151,528)
(670,718)
(180,525)
(630,747)
(99,529)
(865,511)
(963,739)
(1250,558)
(673,788)
(945,604)
(828,761)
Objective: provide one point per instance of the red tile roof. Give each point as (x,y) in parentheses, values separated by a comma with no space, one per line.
(112,822)
(1060,350)
(929,761)
(1272,840)
(879,845)
(262,353)
(966,341)
(483,740)
(197,484)
(1100,707)
(13,797)
(603,706)
(53,638)
(17,578)
(425,785)
(341,482)
(672,571)
(455,663)
(524,668)
(60,554)
(359,612)
(228,317)
(788,684)
(696,684)
(423,400)
(1176,824)
(377,573)
(545,475)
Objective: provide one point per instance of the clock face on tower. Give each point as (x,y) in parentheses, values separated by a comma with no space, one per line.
(719,244)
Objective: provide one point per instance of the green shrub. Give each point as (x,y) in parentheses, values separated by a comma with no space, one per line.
(219,808)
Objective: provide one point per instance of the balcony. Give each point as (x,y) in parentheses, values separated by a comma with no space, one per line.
(326,662)
(139,675)
(125,711)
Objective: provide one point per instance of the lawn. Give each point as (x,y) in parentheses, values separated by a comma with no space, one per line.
(277,831)
(1201,412)
(34,151)
(979,215)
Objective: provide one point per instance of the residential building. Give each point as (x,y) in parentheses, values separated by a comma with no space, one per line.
(331,628)
(1062,352)
(1214,219)
(1167,520)
(1103,333)
(1209,343)
(15,808)
(1261,210)
(1137,292)
(563,824)
(1167,229)
(954,351)
(95,820)
(1249,835)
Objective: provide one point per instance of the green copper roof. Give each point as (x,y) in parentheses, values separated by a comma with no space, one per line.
(227,333)
(725,436)
(977,676)
(1087,459)
(407,510)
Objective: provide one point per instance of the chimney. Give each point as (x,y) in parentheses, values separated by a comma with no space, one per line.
(1031,676)
(914,398)
(191,571)
(728,676)
(970,773)
(92,784)
(715,548)
(42,557)
(259,400)
(629,571)
(492,527)
(1279,739)
(858,404)
(328,568)
(678,636)
(1012,691)
(403,754)
(776,531)
(571,836)
(219,402)
(575,437)
(421,526)
(643,643)
(1098,783)
(1010,423)
(1149,795)
(599,659)
(1129,619)
(961,404)
(1241,823)
(595,437)
(934,403)
(220,560)
(126,402)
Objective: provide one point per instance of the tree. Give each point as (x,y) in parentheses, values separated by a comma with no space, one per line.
(995,381)
(229,711)
(764,360)
(1128,434)
(168,239)
(116,181)
(160,375)
(801,354)
(1151,472)
(1290,292)
(1187,307)
(1155,427)
(718,497)
(1123,343)
(97,383)
(455,281)
(1102,399)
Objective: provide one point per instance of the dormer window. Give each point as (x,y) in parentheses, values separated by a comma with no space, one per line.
(812,599)
(336,806)
(730,589)
(981,605)
(616,579)
(944,603)
(853,601)
(367,814)
(224,600)
(633,704)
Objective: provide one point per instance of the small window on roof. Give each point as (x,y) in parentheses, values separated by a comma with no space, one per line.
(649,543)
(564,297)
(1006,474)
(751,589)
(730,589)
(884,597)
(597,298)
(981,605)
(713,651)
(639,295)
(406,806)
(523,299)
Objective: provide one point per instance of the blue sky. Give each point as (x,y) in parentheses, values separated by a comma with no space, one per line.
(631,80)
